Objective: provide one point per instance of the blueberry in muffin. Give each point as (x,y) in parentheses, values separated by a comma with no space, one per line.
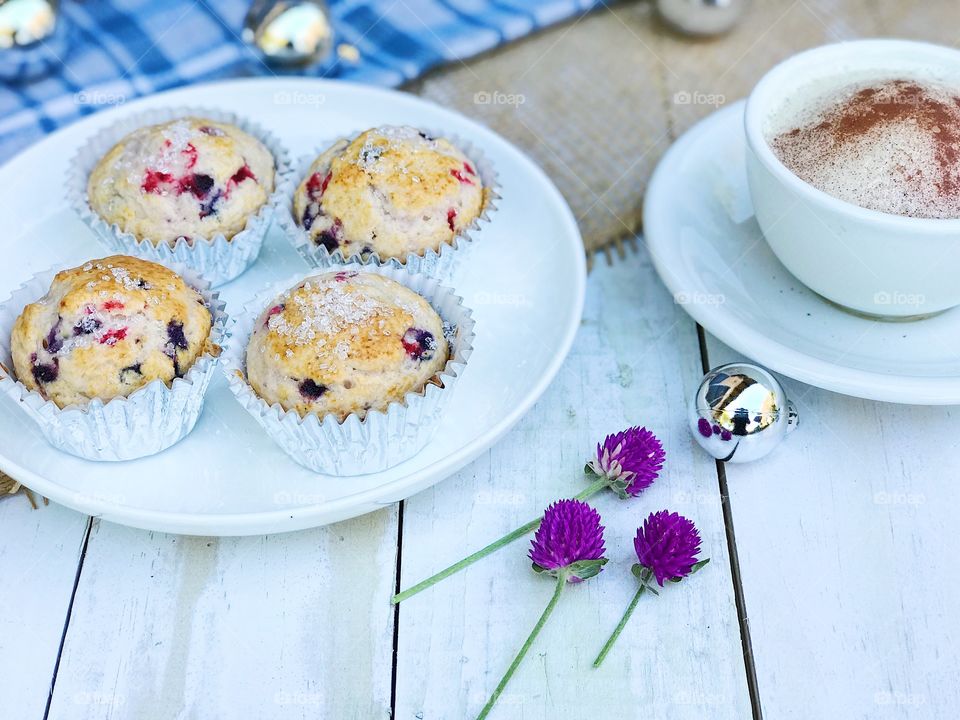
(345,342)
(393,191)
(107,328)
(190,177)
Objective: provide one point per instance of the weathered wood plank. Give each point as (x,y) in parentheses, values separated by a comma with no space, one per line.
(847,544)
(285,626)
(39,553)
(635,361)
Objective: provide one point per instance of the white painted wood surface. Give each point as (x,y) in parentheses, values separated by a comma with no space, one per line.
(845,539)
(39,553)
(848,545)
(635,360)
(285,626)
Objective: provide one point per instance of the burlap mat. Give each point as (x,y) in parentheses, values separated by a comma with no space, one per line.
(596,101)
(9,487)
(575,98)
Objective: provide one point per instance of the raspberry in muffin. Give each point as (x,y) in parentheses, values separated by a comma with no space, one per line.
(108,328)
(393,191)
(345,342)
(190,177)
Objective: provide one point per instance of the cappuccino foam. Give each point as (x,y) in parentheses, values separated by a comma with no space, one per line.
(891,145)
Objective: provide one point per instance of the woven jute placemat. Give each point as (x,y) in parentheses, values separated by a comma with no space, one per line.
(597,100)
(10,487)
(575,98)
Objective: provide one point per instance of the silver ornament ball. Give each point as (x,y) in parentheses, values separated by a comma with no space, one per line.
(701,17)
(290,32)
(740,413)
(33,39)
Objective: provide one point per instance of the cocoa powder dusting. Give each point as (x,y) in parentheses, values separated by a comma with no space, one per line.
(892,146)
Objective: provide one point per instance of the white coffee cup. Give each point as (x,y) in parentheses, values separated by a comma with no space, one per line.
(872,262)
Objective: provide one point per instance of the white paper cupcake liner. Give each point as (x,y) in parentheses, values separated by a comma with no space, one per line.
(147,421)
(442,265)
(379,440)
(216,258)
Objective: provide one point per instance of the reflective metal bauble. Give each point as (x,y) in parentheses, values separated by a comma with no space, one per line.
(740,413)
(33,39)
(290,32)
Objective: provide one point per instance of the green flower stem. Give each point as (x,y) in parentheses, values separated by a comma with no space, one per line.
(588,492)
(561,581)
(622,624)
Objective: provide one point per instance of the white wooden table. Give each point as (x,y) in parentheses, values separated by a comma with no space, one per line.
(832,591)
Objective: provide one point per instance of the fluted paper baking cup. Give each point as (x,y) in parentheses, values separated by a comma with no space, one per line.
(442,264)
(216,258)
(379,440)
(147,421)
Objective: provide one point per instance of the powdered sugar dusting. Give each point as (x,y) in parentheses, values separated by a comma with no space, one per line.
(123,277)
(326,307)
(177,134)
(140,150)
(394,137)
(117,274)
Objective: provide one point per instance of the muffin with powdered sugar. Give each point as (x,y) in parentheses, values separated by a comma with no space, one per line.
(107,329)
(345,342)
(186,178)
(392,192)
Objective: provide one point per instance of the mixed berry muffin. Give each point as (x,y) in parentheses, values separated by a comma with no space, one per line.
(108,328)
(189,177)
(393,191)
(345,342)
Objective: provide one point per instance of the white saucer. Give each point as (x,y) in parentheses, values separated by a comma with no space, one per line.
(525,283)
(710,253)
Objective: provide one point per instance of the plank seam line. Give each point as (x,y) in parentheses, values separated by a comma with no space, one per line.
(66,622)
(396,616)
(738,593)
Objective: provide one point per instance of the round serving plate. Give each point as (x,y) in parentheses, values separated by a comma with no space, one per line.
(524,280)
(709,251)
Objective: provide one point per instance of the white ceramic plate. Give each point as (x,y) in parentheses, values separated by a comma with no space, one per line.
(525,283)
(710,253)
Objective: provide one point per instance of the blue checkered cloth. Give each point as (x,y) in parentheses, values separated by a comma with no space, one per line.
(128,48)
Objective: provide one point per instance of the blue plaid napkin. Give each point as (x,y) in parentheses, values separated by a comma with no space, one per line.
(121,49)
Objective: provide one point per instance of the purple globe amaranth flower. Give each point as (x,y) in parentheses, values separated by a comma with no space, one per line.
(630,460)
(667,545)
(569,541)
(568,546)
